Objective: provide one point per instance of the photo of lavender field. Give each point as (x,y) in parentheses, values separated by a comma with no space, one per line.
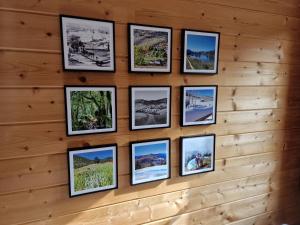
(88,44)
(150,107)
(92,169)
(199,105)
(150,161)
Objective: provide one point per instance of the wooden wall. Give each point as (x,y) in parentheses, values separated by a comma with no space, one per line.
(257,151)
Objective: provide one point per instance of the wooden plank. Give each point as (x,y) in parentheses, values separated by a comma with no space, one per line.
(36,104)
(38,172)
(220,214)
(288,8)
(228,19)
(162,205)
(32,33)
(49,138)
(41,69)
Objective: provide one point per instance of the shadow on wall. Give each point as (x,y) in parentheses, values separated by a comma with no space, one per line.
(289,195)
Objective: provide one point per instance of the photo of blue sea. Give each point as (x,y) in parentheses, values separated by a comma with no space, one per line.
(199,105)
(151,162)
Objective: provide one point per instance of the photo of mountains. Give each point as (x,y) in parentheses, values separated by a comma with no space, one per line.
(151,161)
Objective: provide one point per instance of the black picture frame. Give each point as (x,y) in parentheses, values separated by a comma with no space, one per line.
(132,125)
(85,150)
(131,69)
(69,131)
(66,67)
(183,89)
(182,156)
(131,144)
(183,69)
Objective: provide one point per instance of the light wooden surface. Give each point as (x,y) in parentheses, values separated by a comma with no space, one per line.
(257,174)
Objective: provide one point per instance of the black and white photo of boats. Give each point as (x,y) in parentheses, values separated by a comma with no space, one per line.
(88,45)
(199,105)
(151,108)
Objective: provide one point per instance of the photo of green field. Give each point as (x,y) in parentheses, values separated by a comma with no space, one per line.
(93,170)
(150,49)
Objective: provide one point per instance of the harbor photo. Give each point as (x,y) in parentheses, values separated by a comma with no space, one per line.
(87,44)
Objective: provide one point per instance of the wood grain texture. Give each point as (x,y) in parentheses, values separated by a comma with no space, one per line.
(257,174)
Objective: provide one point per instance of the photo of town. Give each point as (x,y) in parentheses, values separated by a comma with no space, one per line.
(150,49)
(200,52)
(88,44)
(151,107)
(197,154)
(151,161)
(199,105)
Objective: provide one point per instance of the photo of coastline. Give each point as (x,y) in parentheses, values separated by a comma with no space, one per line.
(199,105)
(150,107)
(88,44)
(200,52)
(197,154)
(150,48)
(150,161)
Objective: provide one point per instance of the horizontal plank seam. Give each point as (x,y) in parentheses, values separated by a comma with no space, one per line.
(201,186)
(124,146)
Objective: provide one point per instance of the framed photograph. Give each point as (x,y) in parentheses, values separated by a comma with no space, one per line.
(198,105)
(87,44)
(150,48)
(200,52)
(90,109)
(150,107)
(92,169)
(197,154)
(150,161)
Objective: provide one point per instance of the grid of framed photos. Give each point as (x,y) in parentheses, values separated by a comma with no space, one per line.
(89,45)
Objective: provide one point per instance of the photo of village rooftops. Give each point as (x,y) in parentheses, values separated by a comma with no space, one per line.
(151,107)
(88,45)
(199,105)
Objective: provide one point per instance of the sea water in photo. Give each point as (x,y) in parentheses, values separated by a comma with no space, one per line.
(151,162)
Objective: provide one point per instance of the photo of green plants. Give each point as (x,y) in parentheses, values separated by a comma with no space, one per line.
(91,110)
(151,48)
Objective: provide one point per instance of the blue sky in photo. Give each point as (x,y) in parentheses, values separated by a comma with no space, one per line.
(205,92)
(201,43)
(100,154)
(151,149)
(199,144)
